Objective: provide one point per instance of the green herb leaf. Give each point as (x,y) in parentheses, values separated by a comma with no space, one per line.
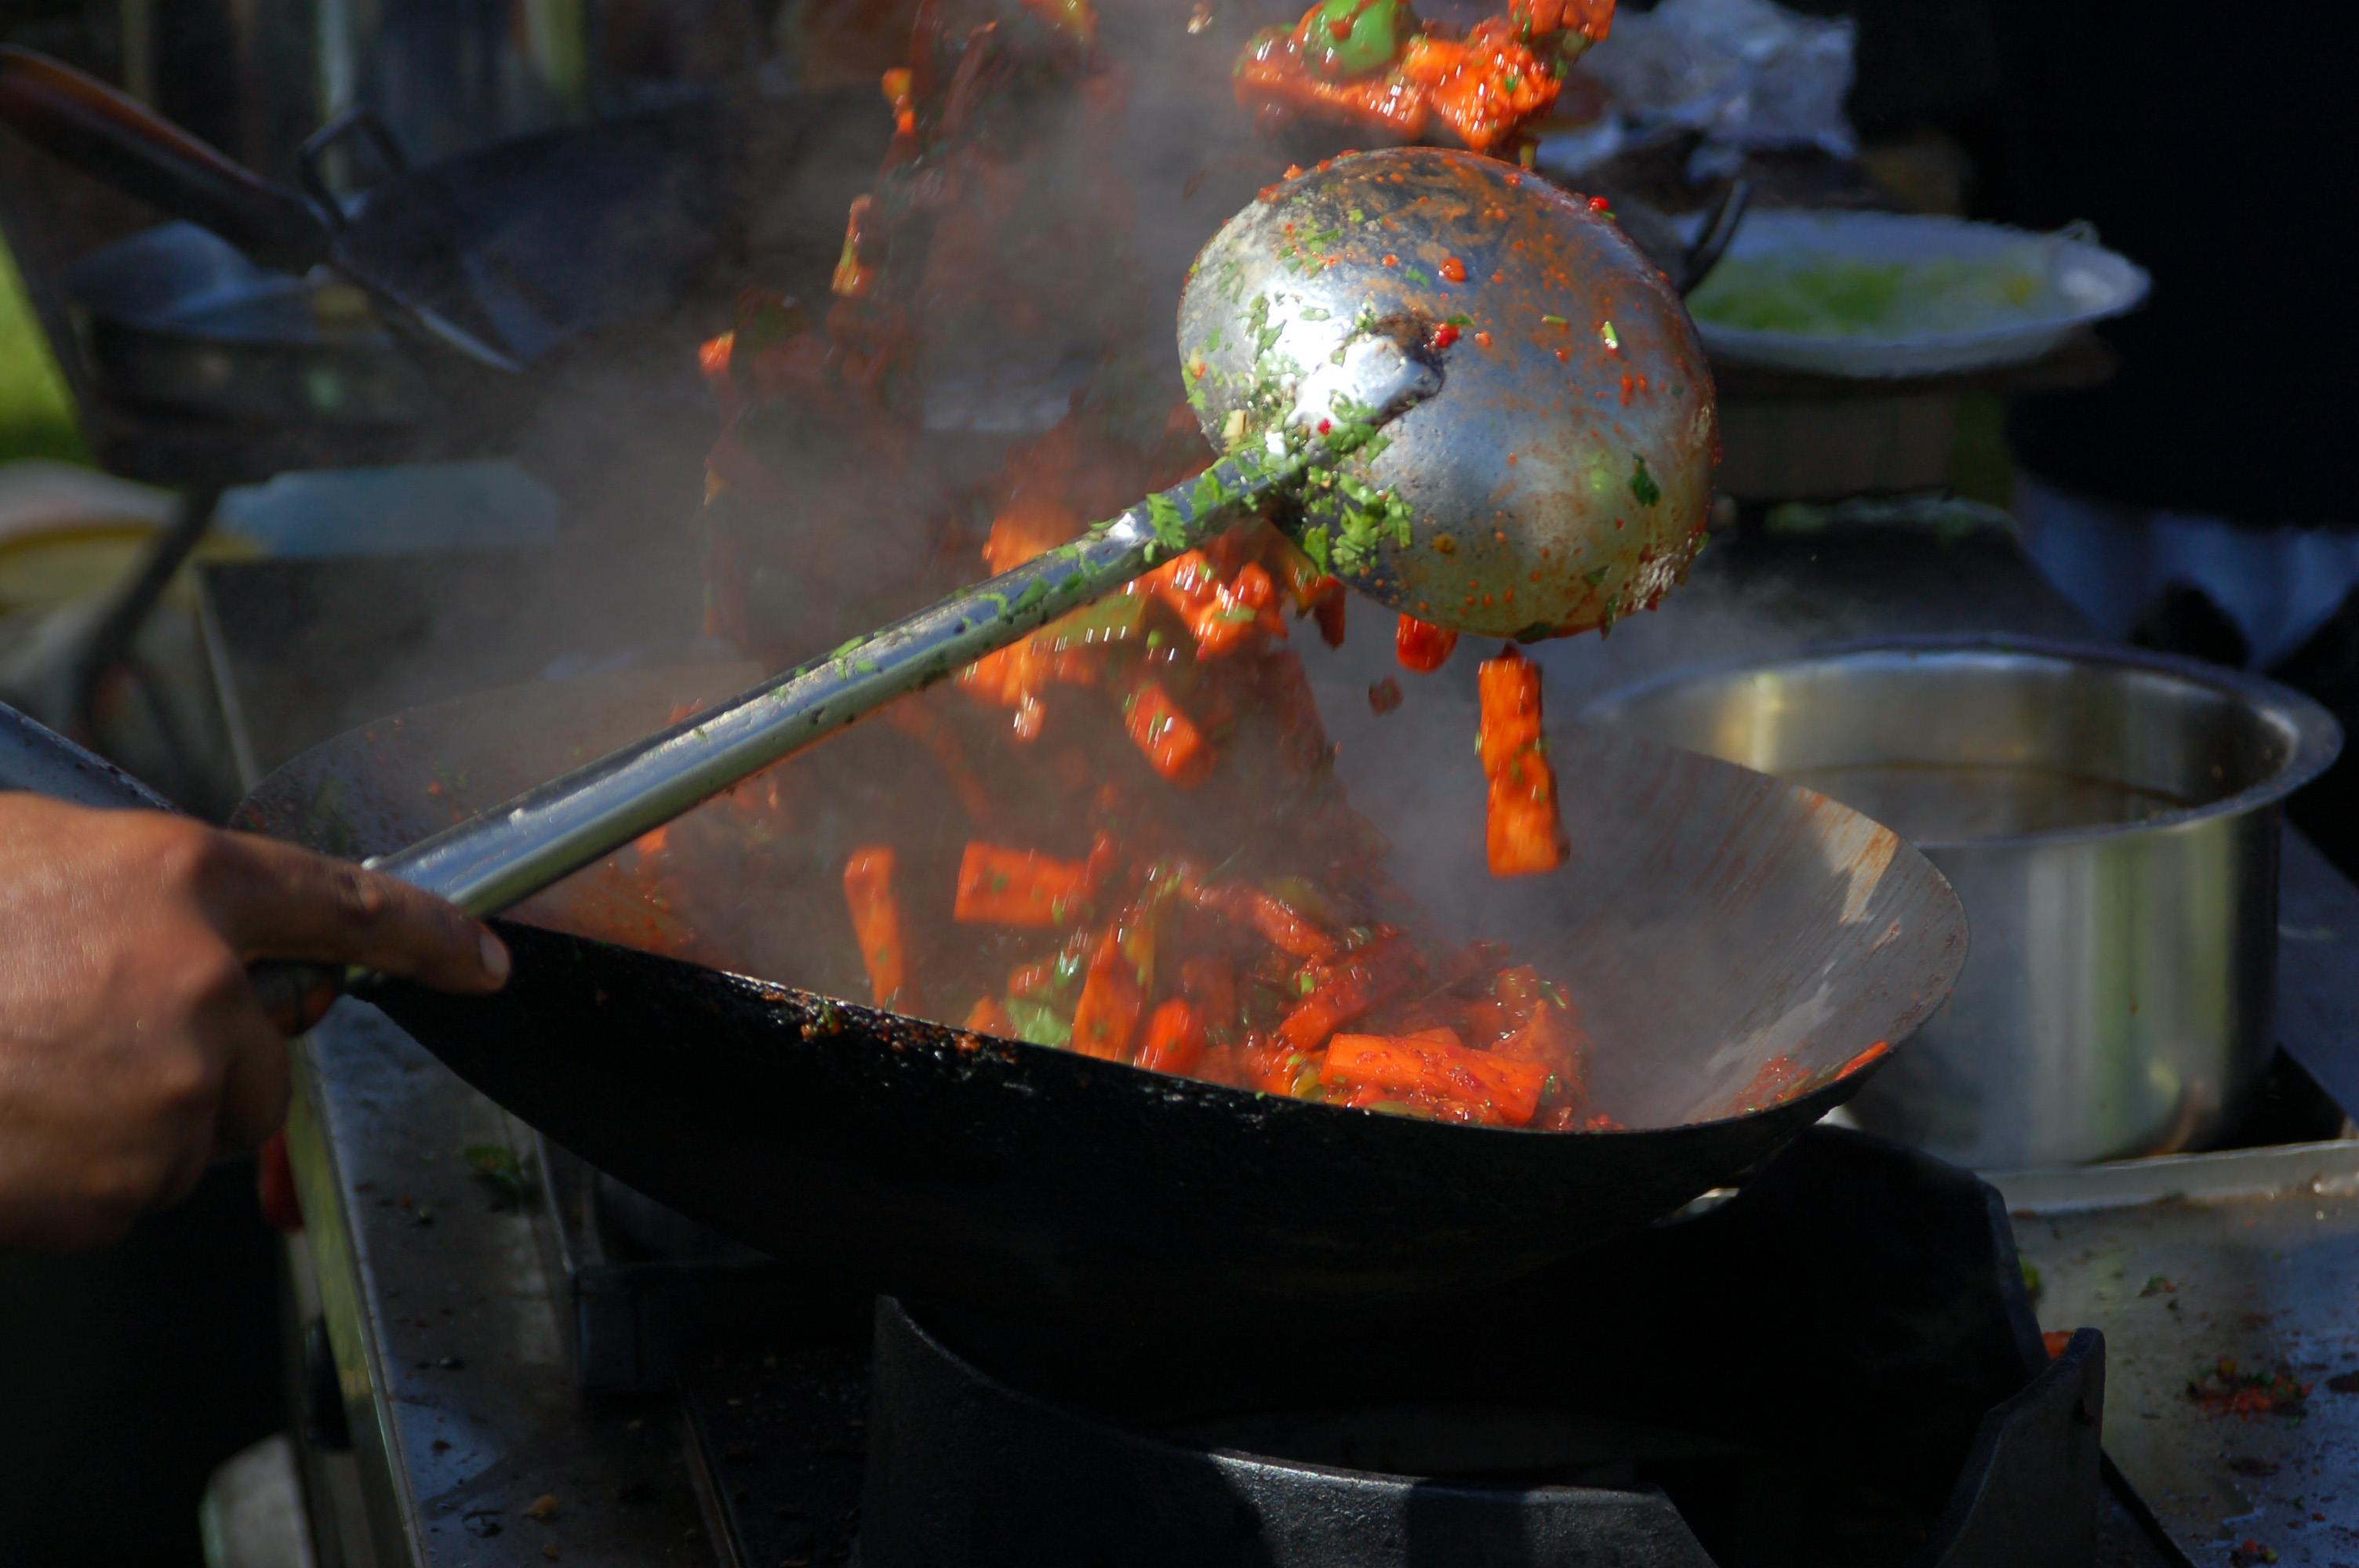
(1170,528)
(1314,544)
(1643,485)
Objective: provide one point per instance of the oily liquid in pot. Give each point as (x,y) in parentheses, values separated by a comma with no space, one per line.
(1938,803)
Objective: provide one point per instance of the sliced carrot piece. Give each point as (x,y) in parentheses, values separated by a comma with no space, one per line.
(988,1016)
(1510,691)
(1523,834)
(1359,981)
(1239,610)
(1278,922)
(1175,1039)
(876,923)
(1168,736)
(1422,647)
(1013,678)
(1432,1065)
(999,886)
(1107,1015)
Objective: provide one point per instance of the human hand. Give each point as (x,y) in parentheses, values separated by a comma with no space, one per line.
(132,1048)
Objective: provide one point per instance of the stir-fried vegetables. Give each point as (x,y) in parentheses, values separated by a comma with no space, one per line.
(1141,854)
(1373,64)
(1291,967)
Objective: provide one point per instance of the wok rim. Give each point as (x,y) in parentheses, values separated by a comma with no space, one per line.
(784,1001)
(1928,1000)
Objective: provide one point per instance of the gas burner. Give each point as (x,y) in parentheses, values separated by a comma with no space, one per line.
(1836,1365)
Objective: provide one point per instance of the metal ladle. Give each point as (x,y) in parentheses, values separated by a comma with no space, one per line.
(1425,464)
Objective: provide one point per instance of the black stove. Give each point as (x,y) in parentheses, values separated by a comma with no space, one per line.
(1836,1365)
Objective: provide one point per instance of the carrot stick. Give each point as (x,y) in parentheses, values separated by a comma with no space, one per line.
(1432,1065)
(1510,688)
(1110,1002)
(1240,607)
(1175,1039)
(1359,982)
(1168,736)
(1013,678)
(1523,834)
(876,923)
(999,886)
(1278,922)
(1421,647)
(988,1017)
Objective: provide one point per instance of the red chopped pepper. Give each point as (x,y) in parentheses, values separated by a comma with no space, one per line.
(1421,646)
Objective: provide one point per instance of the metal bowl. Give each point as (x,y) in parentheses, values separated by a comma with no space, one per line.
(2110,820)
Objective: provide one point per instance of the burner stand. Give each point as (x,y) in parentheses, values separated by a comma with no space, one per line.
(1837,1365)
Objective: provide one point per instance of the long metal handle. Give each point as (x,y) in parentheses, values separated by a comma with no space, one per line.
(119,140)
(511,851)
(507,854)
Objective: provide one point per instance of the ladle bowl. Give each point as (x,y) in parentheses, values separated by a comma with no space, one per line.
(1561,476)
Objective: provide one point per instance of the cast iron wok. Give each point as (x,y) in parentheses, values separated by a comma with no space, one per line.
(523,247)
(1709,920)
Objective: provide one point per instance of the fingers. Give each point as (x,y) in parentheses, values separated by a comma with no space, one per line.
(256,1083)
(276,901)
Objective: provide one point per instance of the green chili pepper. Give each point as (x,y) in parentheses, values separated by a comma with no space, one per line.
(1350,38)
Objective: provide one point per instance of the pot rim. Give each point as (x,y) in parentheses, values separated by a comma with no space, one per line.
(2316,735)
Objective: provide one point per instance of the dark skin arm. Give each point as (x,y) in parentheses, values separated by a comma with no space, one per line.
(131,1049)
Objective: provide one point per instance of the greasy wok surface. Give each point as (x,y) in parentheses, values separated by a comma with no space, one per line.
(1708,921)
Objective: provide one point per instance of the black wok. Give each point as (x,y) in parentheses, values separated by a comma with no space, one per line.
(1709,920)
(520,249)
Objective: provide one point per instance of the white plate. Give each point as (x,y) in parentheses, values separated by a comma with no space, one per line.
(2083,282)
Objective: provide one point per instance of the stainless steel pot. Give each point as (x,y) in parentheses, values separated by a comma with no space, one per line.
(2110,820)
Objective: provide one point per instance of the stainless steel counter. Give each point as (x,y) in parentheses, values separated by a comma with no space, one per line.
(449,1337)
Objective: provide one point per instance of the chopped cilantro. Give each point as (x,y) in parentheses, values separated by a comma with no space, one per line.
(1170,528)
(1314,544)
(1643,485)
